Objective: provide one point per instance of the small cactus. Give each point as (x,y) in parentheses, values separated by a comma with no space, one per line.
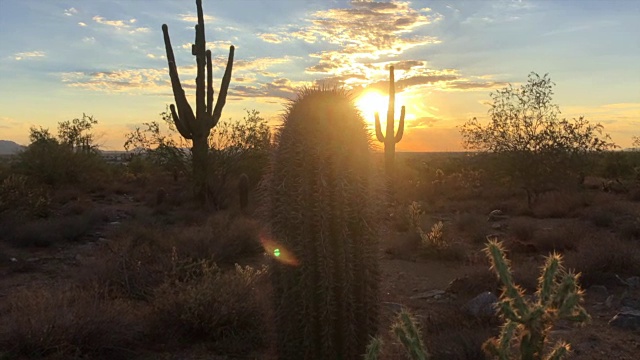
(527,322)
(407,332)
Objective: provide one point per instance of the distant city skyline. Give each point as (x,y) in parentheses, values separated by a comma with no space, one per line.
(60,59)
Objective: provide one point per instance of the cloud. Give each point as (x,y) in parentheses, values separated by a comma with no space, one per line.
(273,38)
(475,85)
(70,11)
(28,55)
(422,122)
(132,80)
(82,24)
(194,17)
(121,25)
(89,40)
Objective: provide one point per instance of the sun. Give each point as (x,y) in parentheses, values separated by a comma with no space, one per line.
(371,102)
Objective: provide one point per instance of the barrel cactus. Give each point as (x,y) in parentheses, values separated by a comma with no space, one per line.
(321,213)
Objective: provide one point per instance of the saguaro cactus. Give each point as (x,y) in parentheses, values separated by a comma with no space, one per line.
(389,139)
(322,213)
(527,322)
(196,127)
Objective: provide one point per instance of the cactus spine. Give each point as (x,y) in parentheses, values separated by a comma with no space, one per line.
(528,322)
(389,139)
(197,127)
(326,307)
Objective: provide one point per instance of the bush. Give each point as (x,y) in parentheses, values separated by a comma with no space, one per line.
(225,308)
(21,196)
(46,232)
(68,323)
(537,149)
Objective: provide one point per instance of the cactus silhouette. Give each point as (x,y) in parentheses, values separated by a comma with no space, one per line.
(197,127)
(527,322)
(389,139)
(321,212)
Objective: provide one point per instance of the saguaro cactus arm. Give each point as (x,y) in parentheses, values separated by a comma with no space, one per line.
(400,126)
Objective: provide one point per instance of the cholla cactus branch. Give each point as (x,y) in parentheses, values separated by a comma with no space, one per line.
(527,323)
(407,332)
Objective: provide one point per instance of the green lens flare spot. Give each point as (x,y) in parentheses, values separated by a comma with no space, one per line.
(276,252)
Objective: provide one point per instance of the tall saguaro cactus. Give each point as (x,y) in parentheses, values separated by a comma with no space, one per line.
(390,138)
(197,127)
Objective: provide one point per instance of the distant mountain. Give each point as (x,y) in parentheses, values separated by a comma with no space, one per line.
(9,147)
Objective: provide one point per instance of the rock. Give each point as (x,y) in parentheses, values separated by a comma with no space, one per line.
(496,215)
(598,291)
(633,282)
(628,320)
(630,302)
(395,307)
(497,226)
(436,294)
(483,305)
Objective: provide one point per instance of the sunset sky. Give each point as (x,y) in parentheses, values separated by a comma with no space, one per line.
(106,58)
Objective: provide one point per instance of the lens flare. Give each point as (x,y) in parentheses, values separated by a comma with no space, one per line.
(277,251)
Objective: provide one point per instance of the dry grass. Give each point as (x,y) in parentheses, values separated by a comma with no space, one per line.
(523,229)
(560,204)
(45,232)
(599,267)
(227,309)
(68,323)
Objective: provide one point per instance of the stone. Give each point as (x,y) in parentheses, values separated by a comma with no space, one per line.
(628,320)
(395,307)
(436,294)
(496,215)
(598,291)
(630,302)
(633,282)
(483,305)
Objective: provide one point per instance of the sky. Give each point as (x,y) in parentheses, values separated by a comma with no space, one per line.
(106,58)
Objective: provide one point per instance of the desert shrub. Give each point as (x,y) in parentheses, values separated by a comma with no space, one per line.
(601,218)
(600,267)
(225,308)
(559,204)
(523,229)
(560,238)
(224,237)
(20,195)
(45,232)
(473,226)
(68,323)
(537,149)
(630,229)
(72,158)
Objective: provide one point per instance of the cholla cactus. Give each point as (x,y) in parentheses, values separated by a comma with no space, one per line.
(527,322)
(406,331)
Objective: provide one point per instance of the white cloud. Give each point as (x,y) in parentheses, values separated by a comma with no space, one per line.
(123,25)
(89,40)
(28,55)
(194,18)
(70,11)
(82,24)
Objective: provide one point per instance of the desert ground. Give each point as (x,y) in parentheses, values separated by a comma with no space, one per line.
(129,267)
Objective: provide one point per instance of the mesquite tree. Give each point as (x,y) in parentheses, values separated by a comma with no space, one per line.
(196,127)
